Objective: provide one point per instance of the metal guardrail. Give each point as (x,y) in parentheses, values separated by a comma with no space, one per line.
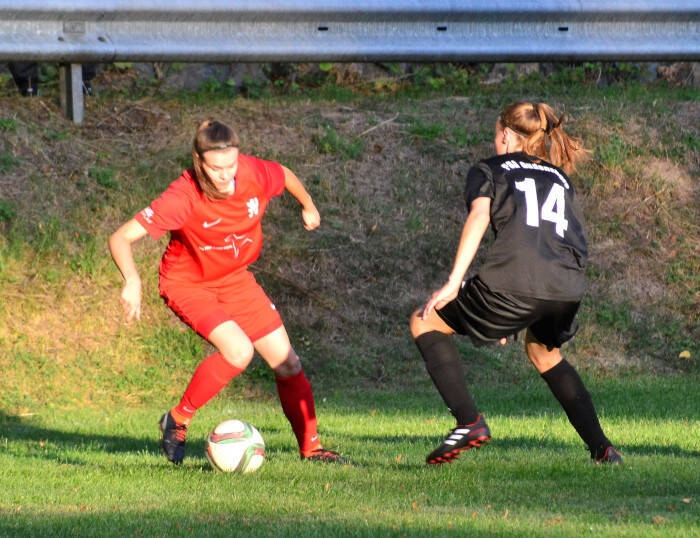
(80,31)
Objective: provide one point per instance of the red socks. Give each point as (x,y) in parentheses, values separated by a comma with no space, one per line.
(297,401)
(295,394)
(212,375)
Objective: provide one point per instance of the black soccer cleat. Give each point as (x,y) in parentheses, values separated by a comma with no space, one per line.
(173,438)
(325,456)
(610,457)
(460,439)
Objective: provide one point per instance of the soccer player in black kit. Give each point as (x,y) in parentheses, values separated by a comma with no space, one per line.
(532,277)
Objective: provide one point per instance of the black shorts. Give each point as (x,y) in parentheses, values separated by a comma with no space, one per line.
(487,316)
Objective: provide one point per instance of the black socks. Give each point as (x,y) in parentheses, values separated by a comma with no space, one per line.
(569,390)
(444,366)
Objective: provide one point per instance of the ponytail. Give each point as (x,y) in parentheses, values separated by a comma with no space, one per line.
(543,134)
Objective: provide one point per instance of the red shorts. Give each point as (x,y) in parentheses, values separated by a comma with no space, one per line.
(205,307)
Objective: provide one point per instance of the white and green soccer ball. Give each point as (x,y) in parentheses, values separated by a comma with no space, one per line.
(235,446)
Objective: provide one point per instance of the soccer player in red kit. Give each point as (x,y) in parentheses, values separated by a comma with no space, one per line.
(532,278)
(213,213)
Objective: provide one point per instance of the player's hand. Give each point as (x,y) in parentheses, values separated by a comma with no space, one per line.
(503,341)
(130,300)
(311,217)
(440,298)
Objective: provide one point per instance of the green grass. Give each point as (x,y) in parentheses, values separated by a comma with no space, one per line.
(87,472)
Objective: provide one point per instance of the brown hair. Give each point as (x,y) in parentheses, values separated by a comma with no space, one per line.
(543,133)
(211,135)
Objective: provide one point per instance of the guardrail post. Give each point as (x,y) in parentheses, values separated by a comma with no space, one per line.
(71,87)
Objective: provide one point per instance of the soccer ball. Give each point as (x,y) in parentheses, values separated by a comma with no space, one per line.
(235,446)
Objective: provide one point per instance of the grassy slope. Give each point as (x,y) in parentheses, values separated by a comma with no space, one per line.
(387,173)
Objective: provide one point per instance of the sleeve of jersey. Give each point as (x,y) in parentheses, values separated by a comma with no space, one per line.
(479,183)
(270,176)
(169,211)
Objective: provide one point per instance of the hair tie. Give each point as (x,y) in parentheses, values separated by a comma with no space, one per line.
(546,128)
(516,131)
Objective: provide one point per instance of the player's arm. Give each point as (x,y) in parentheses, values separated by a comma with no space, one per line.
(120,246)
(309,213)
(473,231)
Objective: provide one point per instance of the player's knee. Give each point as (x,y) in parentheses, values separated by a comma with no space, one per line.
(239,355)
(416,324)
(542,357)
(291,365)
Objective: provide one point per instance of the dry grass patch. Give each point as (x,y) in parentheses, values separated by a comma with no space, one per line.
(387,175)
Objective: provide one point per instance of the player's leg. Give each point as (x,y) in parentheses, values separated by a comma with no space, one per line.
(213,374)
(293,388)
(235,351)
(200,310)
(295,394)
(230,319)
(569,390)
(486,317)
(26,77)
(435,342)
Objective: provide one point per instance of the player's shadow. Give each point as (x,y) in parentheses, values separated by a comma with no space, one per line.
(54,444)
(71,447)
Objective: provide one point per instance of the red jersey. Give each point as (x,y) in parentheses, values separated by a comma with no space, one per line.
(210,239)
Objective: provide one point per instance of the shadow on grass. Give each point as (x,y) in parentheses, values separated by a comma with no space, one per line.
(662,398)
(222,525)
(670,398)
(50,443)
(71,447)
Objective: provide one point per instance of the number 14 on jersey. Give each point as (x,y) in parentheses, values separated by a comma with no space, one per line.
(553,208)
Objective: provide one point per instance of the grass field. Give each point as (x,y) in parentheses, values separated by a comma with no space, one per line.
(385,161)
(97,473)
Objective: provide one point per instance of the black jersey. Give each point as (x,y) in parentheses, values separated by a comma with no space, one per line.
(540,246)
